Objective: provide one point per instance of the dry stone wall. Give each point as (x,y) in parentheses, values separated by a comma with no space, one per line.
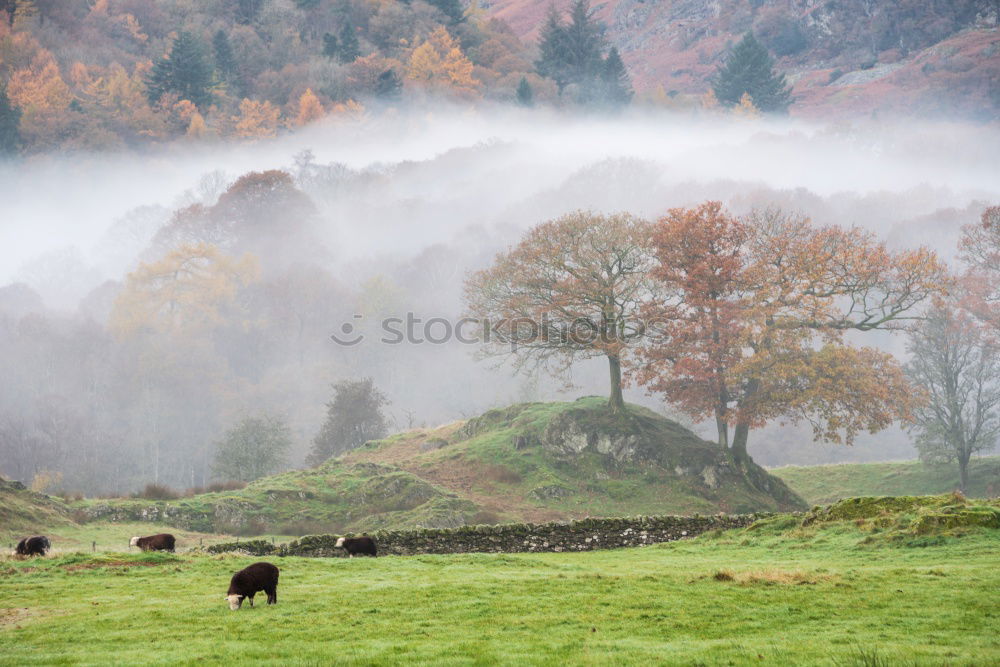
(581,535)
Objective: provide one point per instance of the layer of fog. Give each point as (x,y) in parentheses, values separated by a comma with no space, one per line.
(425,198)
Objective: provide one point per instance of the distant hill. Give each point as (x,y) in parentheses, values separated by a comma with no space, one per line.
(844,57)
(527,462)
(829,483)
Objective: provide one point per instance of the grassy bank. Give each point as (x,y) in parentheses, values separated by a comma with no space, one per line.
(837,591)
(829,483)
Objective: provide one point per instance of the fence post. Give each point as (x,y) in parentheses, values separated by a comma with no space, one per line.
(93,546)
(200,541)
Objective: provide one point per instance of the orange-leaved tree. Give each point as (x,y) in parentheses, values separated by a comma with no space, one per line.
(754,319)
(571,289)
(980,250)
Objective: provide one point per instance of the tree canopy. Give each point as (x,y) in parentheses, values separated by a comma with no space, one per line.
(749,69)
(353,417)
(253,448)
(570,290)
(752,325)
(185,71)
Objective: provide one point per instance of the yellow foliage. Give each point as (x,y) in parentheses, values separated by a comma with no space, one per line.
(45,480)
(189,290)
(310,108)
(349,110)
(256,120)
(709,101)
(197,128)
(440,65)
(39,87)
(746,108)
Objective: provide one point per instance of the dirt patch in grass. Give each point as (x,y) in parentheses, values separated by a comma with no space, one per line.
(113,563)
(770,577)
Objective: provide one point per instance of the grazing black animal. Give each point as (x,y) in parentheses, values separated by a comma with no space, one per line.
(358,545)
(33,546)
(245,584)
(161,542)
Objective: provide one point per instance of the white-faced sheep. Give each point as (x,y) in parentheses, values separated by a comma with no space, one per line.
(245,584)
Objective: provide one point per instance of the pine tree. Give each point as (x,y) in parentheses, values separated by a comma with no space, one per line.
(329,45)
(186,71)
(349,47)
(353,417)
(749,69)
(584,43)
(450,8)
(10,119)
(615,85)
(571,53)
(388,85)
(552,48)
(225,62)
(525,95)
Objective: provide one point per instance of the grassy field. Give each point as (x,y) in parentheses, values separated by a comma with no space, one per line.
(829,483)
(836,592)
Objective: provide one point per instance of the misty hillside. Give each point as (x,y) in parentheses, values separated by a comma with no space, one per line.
(844,58)
(528,462)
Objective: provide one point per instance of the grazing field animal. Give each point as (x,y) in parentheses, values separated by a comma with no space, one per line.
(161,542)
(33,546)
(357,545)
(245,584)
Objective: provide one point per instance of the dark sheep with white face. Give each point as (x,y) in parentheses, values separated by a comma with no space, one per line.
(160,542)
(358,545)
(251,579)
(33,546)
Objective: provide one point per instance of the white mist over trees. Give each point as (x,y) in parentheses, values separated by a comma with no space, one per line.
(138,325)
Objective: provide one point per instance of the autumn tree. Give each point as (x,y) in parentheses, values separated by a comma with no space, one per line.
(749,69)
(753,325)
(253,448)
(310,108)
(570,290)
(957,366)
(440,65)
(980,250)
(186,71)
(257,120)
(353,417)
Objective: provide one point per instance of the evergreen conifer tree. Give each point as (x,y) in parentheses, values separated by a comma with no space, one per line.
(225,62)
(10,119)
(186,71)
(450,8)
(525,95)
(329,45)
(388,85)
(749,69)
(571,52)
(552,48)
(613,87)
(349,48)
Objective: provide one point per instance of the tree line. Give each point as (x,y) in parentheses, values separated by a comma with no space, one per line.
(248,70)
(742,320)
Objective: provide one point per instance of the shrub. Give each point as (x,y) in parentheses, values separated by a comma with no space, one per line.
(158,492)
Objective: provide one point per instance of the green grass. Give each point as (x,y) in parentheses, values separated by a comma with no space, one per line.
(829,483)
(776,593)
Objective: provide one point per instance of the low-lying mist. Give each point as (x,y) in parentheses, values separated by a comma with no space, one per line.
(398,209)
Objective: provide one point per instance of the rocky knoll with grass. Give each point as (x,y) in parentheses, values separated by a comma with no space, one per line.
(534,462)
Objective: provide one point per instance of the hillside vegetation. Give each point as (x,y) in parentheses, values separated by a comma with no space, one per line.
(527,462)
(844,589)
(829,483)
(844,58)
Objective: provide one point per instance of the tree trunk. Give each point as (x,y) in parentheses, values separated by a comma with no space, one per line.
(723,426)
(739,449)
(963,473)
(616,402)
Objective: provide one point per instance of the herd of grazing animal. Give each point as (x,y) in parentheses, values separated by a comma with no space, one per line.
(244,585)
